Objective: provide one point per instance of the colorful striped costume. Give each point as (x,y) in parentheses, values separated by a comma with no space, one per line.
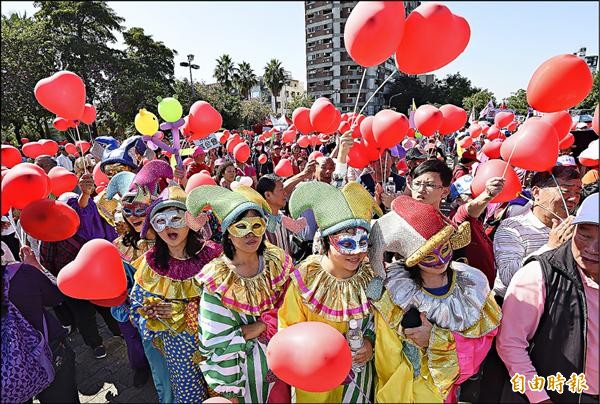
(316,295)
(232,366)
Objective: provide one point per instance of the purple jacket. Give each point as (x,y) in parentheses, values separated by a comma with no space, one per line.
(92,225)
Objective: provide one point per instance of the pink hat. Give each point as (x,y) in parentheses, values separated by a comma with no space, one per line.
(199,151)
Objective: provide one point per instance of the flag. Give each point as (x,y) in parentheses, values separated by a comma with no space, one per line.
(472,116)
(411,115)
(487,109)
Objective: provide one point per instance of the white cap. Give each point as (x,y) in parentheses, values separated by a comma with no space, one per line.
(588,211)
(566,160)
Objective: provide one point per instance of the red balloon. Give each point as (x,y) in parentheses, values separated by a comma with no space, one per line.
(32,149)
(559,83)
(335,123)
(301,119)
(223,137)
(49,220)
(63,94)
(502,119)
(373,31)
(357,156)
(99,177)
(315,155)
(25,183)
(411,132)
(402,167)
(493,132)
(62,180)
(199,179)
(492,149)
(311,356)
(89,114)
(465,142)
(289,136)
(433,37)
(366,129)
(343,127)
(323,116)
(595,121)
(454,119)
(231,143)
(536,151)
(512,126)
(284,168)
(50,147)
(428,119)
(262,159)
(303,141)
(11,156)
(389,128)
(495,168)
(70,148)
(371,151)
(60,124)
(561,121)
(82,144)
(475,130)
(314,140)
(241,152)
(203,120)
(187,161)
(96,273)
(566,141)
(24,140)
(117,301)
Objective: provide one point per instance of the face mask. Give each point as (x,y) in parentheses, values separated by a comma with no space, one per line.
(174,219)
(255,225)
(438,257)
(349,244)
(134,209)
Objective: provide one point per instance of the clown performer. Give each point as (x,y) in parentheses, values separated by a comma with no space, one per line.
(242,291)
(165,297)
(435,318)
(331,287)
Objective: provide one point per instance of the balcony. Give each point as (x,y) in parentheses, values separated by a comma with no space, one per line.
(319,47)
(319,18)
(321,74)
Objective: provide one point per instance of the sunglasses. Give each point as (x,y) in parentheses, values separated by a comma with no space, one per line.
(174,219)
(255,225)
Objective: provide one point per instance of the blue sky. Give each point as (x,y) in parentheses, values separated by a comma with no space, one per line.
(508,39)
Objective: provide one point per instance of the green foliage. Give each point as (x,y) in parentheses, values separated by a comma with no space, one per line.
(453,89)
(518,102)
(478,100)
(297,101)
(275,79)
(254,112)
(225,72)
(593,97)
(244,79)
(229,105)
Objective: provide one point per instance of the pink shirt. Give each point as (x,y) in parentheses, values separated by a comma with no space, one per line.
(523,306)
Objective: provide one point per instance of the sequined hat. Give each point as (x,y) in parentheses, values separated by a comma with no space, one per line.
(121,184)
(170,197)
(413,229)
(121,155)
(334,209)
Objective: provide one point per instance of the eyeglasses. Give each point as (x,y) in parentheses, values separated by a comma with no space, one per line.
(429,186)
(174,219)
(255,225)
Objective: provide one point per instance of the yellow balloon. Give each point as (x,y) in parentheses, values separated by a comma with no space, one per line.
(146,122)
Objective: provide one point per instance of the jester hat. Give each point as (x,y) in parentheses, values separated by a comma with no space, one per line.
(413,229)
(121,184)
(226,205)
(334,209)
(122,154)
(171,197)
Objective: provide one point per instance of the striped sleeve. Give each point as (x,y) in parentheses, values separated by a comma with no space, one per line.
(368,328)
(509,251)
(223,346)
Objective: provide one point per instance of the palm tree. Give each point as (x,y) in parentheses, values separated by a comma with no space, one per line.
(244,79)
(275,79)
(225,72)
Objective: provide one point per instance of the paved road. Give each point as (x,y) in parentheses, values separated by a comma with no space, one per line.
(109,379)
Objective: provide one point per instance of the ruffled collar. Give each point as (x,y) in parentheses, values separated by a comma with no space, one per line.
(251,296)
(177,281)
(332,298)
(457,310)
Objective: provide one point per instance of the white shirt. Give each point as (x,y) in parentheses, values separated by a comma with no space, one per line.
(65,162)
(516,238)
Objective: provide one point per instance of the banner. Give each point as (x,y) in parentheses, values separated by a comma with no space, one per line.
(208,143)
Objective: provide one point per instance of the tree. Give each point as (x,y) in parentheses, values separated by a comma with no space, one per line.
(518,102)
(245,79)
(297,101)
(225,72)
(254,112)
(228,105)
(478,100)
(406,88)
(592,98)
(275,79)
(453,89)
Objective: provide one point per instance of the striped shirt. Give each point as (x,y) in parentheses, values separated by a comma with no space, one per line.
(516,238)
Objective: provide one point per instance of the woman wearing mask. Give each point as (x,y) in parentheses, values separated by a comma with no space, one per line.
(165,298)
(435,318)
(331,287)
(242,291)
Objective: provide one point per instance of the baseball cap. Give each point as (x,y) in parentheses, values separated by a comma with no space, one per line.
(470,154)
(461,186)
(415,154)
(566,160)
(198,151)
(588,211)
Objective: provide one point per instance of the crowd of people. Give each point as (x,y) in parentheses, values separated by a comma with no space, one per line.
(456,297)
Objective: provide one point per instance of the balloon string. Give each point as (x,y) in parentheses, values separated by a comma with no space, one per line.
(541,206)
(353,381)
(377,90)
(81,148)
(514,148)
(90,132)
(11,219)
(362,80)
(560,192)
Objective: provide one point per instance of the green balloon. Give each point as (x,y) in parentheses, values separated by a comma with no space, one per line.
(170,109)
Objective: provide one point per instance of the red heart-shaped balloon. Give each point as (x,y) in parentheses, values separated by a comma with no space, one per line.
(284,168)
(49,220)
(63,94)
(203,120)
(49,146)
(32,149)
(492,149)
(535,146)
(11,156)
(97,273)
(62,180)
(117,301)
(497,168)
(502,119)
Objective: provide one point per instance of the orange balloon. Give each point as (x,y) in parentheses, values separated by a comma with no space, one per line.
(373,31)
(495,168)
(535,146)
(49,220)
(559,83)
(428,119)
(433,37)
(454,119)
(389,128)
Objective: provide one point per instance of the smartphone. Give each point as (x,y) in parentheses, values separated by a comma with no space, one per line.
(411,319)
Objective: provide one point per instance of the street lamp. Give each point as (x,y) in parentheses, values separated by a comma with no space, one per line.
(390,101)
(189,64)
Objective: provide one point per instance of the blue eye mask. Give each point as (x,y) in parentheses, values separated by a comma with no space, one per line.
(349,244)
